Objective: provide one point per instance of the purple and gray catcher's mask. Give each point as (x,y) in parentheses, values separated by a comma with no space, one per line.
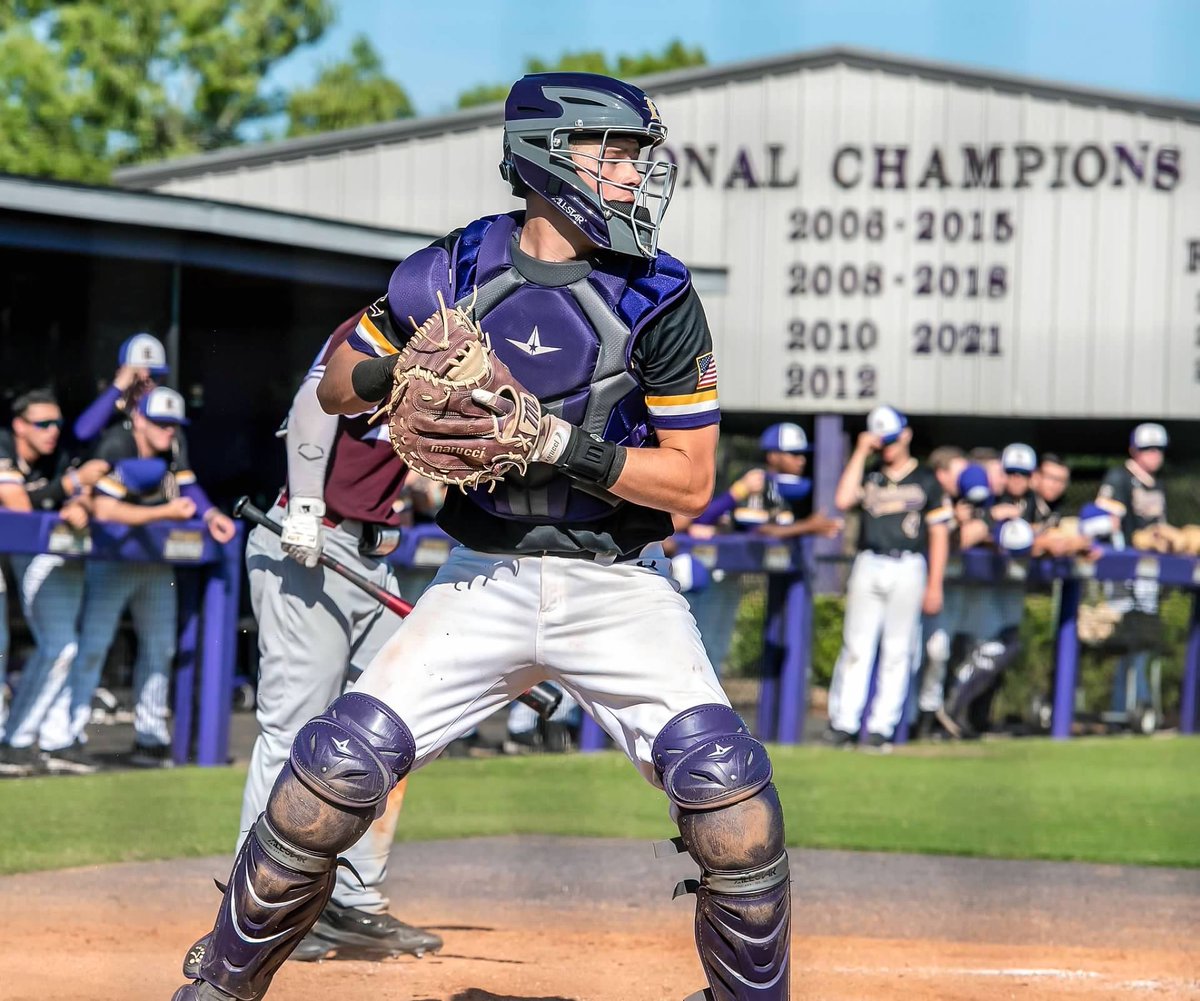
(545,112)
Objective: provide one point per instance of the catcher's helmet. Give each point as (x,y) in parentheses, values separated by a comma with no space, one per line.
(542,114)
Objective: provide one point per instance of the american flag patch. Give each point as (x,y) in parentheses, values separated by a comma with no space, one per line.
(706,371)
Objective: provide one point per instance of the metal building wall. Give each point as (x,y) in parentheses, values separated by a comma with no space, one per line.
(1072,290)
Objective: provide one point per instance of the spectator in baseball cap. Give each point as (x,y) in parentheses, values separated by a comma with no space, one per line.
(141,360)
(776,497)
(888,425)
(163,405)
(773,499)
(1018,500)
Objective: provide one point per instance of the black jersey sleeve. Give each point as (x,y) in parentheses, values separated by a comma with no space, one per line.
(10,470)
(677,367)
(1115,492)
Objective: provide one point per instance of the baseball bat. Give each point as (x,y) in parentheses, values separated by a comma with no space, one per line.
(541,698)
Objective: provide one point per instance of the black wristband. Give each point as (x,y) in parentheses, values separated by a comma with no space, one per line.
(371,378)
(592,460)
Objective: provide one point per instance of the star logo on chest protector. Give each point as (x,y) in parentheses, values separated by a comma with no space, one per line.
(534,346)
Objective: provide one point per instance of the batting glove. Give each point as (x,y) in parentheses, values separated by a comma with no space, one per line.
(302,530)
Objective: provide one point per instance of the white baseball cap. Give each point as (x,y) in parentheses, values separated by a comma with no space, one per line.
(163,406)
(1095,522)
(887,423)
(1019,458)
(1015,536)
(144,351)
(784,437)
(1149,436)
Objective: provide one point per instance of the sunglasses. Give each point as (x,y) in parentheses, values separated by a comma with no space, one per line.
(46,425)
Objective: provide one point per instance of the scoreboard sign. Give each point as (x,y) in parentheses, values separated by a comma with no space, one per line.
(945,248)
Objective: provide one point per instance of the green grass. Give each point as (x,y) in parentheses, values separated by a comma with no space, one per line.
(1114,800)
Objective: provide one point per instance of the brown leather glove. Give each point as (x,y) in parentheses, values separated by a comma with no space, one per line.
(437,426)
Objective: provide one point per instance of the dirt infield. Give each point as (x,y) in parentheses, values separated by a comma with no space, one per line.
(541,919)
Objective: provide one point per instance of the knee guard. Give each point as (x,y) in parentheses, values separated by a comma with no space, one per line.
(984,667)
(718,779)
(343,764)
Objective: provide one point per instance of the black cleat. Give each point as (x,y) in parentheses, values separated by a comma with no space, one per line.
(18,762)
(838,739)
(74,759)
(151,756)
(351,933)
(877,743)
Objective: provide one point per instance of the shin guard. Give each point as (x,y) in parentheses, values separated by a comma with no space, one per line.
(718,778)
(342,766)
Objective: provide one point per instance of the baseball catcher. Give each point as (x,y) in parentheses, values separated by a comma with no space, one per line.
(576,427)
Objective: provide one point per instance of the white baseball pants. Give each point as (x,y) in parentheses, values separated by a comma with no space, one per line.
(883,611)
(619,639)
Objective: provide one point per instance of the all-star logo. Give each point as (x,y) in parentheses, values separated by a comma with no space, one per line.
(718,750)
(569,210)
(342,745)
(534,345)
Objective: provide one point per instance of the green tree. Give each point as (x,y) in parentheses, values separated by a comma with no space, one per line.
(675,56)
(89,86)
(352,92)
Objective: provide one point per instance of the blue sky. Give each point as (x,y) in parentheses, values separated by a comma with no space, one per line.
(437,49)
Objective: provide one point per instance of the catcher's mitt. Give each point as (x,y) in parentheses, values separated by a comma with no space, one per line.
(436,421)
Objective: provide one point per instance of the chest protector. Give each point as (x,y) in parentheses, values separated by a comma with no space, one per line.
(570,345)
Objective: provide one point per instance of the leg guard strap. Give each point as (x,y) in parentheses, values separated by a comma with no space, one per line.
(286,854)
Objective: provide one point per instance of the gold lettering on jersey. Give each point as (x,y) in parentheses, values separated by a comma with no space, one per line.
(894,498)
(1149,504)
(183,544)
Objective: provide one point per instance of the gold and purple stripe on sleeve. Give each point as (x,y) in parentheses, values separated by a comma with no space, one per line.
(691,410)
(110,486)
(940,515)
(369,339)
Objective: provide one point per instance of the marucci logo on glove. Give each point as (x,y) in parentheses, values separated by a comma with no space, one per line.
(469,453)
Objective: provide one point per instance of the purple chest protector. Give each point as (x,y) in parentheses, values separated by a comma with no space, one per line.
(567,334)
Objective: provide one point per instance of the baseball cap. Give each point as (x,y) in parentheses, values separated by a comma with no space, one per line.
(973,485)
(144,351)
(1015,536)
(887,423)
(1019,458)
(1095,522)
(784,438)
(163,406)
(1149,436)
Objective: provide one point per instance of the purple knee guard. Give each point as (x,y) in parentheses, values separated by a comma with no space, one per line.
(354,752)
(719,779)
